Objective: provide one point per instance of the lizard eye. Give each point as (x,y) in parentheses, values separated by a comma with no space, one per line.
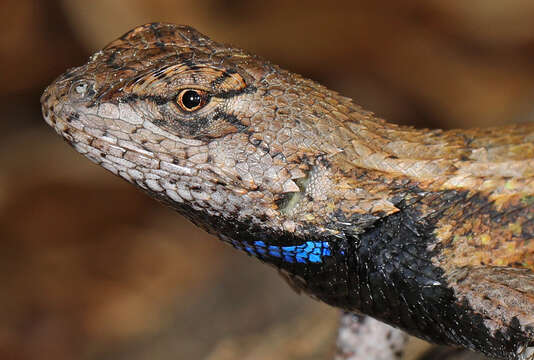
(190,100)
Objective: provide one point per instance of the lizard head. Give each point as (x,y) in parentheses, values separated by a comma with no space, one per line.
(198,124)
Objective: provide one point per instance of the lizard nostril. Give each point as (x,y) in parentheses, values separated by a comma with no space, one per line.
(81,90)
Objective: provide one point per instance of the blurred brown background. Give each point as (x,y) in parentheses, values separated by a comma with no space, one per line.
(92,269)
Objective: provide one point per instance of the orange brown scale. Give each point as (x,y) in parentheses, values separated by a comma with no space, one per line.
(486,236)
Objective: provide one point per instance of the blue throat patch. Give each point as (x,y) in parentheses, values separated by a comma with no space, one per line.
(308,252)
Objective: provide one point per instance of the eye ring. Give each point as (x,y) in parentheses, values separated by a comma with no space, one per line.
(190,100)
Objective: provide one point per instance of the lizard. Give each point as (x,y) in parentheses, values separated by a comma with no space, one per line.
(430,231)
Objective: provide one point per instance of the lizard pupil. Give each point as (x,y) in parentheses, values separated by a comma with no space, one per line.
(191,99)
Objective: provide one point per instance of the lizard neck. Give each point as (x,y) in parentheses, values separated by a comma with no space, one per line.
(385,271)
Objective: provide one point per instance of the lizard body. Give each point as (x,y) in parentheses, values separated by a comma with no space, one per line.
(428,230)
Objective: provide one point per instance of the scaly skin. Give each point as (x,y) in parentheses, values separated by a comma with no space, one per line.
(428,230)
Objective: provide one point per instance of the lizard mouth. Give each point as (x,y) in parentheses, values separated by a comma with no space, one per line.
(49,104)
(54,114)
(81,127)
